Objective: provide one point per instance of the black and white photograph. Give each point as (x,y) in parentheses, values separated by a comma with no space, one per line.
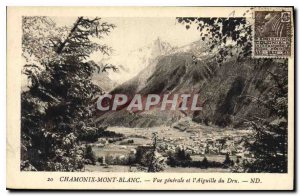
(184,94)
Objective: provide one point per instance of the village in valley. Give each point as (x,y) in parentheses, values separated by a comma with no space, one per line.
(196,141)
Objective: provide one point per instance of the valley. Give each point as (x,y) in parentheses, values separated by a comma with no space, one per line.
(197,140)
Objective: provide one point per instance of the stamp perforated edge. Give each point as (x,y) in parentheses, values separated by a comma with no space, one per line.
(252,21)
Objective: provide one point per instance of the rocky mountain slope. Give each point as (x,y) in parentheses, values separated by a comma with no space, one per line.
(224,89)
(103,81)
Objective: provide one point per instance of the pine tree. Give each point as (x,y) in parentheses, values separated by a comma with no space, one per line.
(90,155)
(205,162)
(156,161)
(227,161)
(58,103)
(237,161)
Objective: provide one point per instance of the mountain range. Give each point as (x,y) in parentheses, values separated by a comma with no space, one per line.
(223,88)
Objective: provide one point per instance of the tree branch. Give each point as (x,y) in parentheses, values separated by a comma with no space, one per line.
(63,44)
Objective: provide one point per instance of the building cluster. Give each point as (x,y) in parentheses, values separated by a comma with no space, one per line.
(206,144)
(195,141)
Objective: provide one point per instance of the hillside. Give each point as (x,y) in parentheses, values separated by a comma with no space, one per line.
(103,81)
(225,89)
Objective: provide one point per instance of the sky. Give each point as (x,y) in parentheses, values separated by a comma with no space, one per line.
(132,33)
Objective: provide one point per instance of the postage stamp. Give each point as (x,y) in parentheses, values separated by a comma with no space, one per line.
(272,34)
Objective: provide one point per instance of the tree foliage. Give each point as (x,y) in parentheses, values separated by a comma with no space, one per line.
(226,37)
(44,41)
(58,103)
(230,38)
(269,144)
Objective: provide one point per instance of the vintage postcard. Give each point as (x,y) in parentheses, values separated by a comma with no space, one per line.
(150,98)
